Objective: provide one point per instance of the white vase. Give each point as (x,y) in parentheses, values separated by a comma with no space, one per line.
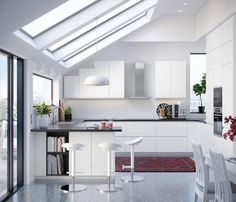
(37,121)
(44,121)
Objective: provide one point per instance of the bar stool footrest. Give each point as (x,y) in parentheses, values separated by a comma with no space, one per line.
(73,188)
(135,178)
(105,188)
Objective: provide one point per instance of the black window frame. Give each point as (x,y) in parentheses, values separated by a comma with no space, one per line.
(11,189)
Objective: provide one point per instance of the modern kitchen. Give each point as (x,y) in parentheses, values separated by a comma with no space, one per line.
(118,100)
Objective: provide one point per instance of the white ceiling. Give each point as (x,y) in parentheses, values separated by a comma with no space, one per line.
(172,7)
(15,14)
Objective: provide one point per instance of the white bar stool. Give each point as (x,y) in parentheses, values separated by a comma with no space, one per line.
(73,147)
(109,147)
(132,177)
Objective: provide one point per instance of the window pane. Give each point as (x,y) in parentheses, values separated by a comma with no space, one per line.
(3,122)
(15,121)
(55,16)
(197,68)
(42,90)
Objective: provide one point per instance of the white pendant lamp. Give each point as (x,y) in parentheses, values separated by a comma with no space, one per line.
(96,81)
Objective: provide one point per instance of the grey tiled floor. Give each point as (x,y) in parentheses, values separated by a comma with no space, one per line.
(156,187)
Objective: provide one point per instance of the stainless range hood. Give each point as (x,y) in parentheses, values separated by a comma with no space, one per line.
(139,81)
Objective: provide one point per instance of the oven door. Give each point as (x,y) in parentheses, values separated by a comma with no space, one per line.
(218,124)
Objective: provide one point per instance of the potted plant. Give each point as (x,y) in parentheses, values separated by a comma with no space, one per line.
(68,115)
(199,89)
(231,133)
(44,111)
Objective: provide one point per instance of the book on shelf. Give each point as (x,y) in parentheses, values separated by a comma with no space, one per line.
(55,164)
(54,144)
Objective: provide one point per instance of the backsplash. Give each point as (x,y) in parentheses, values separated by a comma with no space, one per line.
(125,108)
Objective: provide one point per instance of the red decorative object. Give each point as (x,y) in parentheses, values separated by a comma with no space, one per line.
(231,133)
(157,164)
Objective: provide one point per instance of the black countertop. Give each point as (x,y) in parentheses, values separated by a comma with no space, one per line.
(79,125)
(148,120)
(75,126)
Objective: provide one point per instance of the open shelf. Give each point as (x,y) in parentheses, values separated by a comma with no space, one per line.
(57,161)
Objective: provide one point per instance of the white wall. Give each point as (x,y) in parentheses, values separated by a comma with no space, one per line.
(132,52)
(29,118)
(212,14)
(166,29)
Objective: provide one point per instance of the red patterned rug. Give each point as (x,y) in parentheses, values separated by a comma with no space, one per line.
(157,164)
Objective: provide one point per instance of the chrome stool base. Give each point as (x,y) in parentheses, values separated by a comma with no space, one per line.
(135,178)
(73,188)
(106,188)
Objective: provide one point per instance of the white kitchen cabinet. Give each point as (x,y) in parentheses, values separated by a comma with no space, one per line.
(71,87)
(227,53)
(99,157)
(192,134)
(85,91)
(40,154)
(149,144)
(101,69)
(171,129)
(172,144)
(170,79)
(178,79)
(83,157)
(117,79)
(162,79)
(113,71)
(137,128)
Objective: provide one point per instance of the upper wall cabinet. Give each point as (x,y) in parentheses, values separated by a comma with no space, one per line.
(71,86)
(114,70)
(170,79)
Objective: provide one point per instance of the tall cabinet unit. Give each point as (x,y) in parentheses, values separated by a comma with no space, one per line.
(170,79)
(220,45)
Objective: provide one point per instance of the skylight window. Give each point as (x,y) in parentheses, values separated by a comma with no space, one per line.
(95,23)
(55,16)
(88,47)
(78,28)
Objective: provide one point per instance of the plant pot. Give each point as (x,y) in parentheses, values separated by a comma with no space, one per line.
(68,117)
(201,109)
(44,119)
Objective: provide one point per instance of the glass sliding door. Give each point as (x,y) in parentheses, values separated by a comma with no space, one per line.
(11,123)
(3,123)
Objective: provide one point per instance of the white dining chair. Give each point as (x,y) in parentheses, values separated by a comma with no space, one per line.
(204,189)
(224,190)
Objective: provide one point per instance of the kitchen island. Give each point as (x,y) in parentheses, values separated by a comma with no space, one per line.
(52,161)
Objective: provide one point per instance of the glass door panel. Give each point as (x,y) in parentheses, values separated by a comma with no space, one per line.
(15,121)
(3,124)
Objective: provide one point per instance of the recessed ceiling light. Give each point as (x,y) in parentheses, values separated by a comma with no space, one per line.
(180,11)
(185,3)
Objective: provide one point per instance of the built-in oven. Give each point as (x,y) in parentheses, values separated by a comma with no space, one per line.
(217,94)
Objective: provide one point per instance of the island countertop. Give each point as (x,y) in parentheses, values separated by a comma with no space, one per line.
(75,126)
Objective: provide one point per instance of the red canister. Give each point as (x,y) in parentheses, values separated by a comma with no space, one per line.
(103,124)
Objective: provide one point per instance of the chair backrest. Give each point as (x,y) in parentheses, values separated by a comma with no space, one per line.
(201,171)
(223,191)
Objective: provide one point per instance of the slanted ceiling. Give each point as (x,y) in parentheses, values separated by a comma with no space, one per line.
(76,29)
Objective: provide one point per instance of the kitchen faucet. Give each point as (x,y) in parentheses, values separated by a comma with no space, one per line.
(54,118)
